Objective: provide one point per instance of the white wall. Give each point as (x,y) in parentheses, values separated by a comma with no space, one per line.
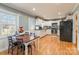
(3,43)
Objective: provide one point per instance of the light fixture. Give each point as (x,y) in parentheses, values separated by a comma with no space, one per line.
(34,9)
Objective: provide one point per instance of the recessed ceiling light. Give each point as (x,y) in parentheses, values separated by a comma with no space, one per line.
(34,9)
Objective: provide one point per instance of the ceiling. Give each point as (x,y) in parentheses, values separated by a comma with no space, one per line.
(45,10)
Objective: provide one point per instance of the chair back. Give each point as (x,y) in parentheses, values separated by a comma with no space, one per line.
(10,40)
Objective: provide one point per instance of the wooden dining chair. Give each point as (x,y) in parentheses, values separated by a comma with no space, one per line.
(11,45)
(21,46)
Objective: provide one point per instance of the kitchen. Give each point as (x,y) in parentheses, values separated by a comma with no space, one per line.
(53,29)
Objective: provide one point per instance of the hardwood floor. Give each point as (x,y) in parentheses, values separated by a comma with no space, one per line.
(14,52)
(51,45)
(4,53)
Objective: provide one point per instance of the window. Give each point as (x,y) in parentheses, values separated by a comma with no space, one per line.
(23,21)
(8,23)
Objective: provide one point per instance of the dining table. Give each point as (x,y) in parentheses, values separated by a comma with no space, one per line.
(27,40)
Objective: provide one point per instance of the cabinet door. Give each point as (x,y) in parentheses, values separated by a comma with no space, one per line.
(62,23)
(66,31)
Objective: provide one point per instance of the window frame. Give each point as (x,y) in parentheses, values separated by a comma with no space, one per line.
(11,13)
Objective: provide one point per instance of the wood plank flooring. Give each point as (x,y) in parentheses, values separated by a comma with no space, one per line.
(51,45)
